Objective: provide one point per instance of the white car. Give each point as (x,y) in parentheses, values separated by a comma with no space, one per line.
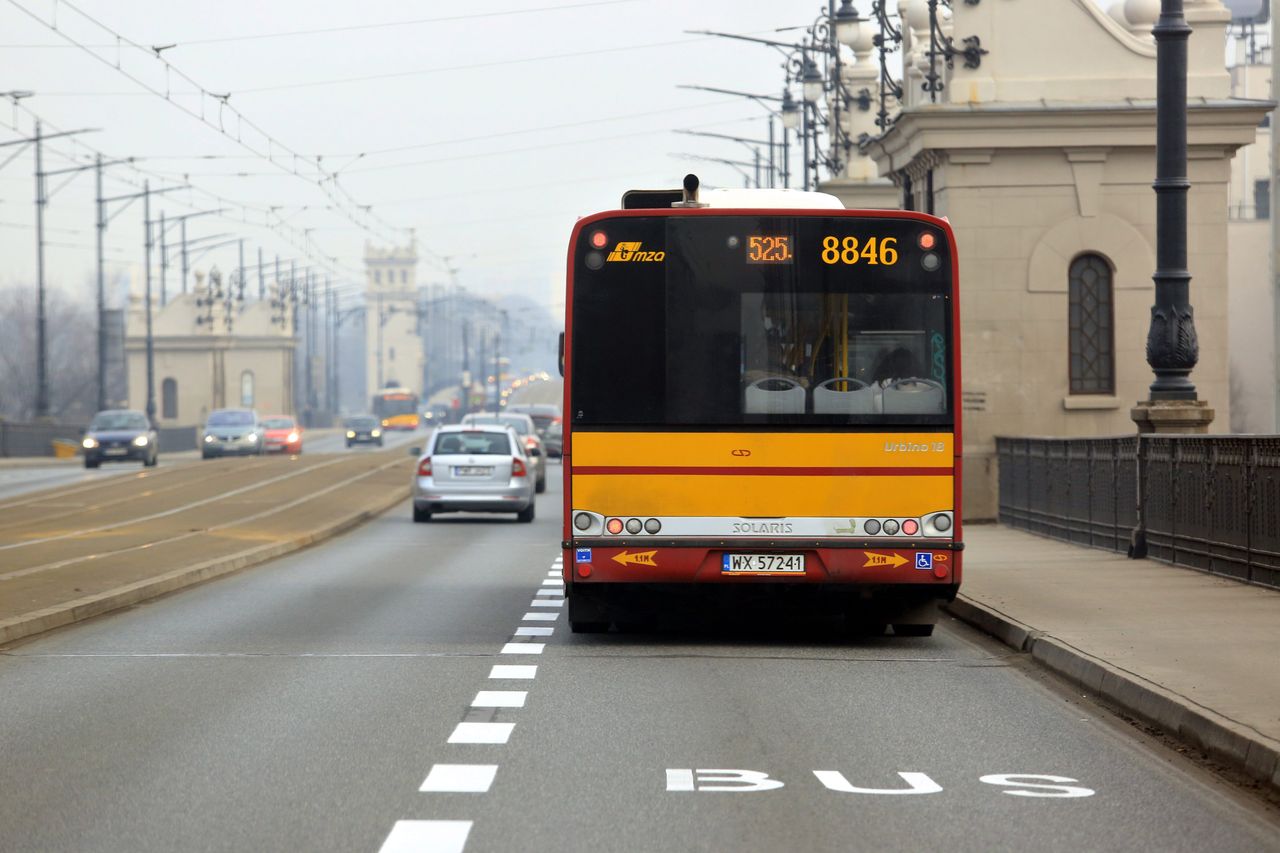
(474,468)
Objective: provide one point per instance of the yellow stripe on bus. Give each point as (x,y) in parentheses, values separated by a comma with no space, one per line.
(747,450)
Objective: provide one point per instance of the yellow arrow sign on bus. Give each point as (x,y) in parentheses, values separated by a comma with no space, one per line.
(876,560)
(640,558)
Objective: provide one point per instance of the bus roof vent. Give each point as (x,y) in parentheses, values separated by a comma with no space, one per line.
(690,198)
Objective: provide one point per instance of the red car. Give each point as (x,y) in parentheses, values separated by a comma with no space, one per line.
(281,433)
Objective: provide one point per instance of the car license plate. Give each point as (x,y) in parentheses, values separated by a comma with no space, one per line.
(115,451)
(763,564)
(473,471)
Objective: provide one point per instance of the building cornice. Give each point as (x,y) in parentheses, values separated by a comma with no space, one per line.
(986,128)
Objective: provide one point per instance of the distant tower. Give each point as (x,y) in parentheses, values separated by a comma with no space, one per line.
(392,343)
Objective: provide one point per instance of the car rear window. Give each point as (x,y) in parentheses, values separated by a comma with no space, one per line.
(473,443)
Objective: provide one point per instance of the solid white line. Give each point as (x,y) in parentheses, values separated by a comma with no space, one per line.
(427,836)
(459,779)
(499,699)
(541,617)
(512,671)
(546,602)
(522,649)
(534,631)
(481,733)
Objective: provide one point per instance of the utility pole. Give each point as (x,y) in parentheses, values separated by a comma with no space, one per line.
(240,275)
(100,228)
(380,320)
(184,255)
(497,372)
(151,376)
(164,265)
(262,284)
(328,344)
(1275,214)
(464,404)
(42,344)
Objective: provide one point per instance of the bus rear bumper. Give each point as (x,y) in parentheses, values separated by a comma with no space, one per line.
(930,567)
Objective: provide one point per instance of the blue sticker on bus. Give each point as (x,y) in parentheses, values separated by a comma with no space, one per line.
(924,561)
(582,555)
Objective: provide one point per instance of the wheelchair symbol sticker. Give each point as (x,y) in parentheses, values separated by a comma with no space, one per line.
(924,561)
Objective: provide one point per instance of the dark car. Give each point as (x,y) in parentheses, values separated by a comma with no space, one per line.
(120,435)
(364,429)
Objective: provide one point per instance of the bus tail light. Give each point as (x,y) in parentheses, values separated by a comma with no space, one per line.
(910,527)
(614,526)
(424,467)
(927,241)
(517,468)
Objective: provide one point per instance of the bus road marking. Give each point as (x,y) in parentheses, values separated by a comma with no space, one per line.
(513,671)
(500,699)
(459,779)
(427,836)
(523,648)
(481,733)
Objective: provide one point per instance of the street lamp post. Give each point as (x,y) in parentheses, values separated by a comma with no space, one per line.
(147,240)
(1172,348)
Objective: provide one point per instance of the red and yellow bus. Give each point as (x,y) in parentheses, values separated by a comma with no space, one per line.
(762,395)
(397,408)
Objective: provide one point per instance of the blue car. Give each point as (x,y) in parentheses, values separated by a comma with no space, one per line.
(120,435)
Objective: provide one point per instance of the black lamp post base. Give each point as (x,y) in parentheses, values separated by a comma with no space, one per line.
(1172,417)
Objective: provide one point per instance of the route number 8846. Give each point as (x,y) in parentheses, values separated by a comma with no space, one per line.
(874,251)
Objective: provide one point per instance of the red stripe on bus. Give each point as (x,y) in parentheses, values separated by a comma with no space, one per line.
(764,472)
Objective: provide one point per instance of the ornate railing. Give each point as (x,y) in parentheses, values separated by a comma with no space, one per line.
(1206,502)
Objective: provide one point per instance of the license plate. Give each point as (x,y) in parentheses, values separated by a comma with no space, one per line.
(115,451)
(472,471)
(763,564)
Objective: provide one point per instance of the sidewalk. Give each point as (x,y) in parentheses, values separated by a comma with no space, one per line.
(1195,655)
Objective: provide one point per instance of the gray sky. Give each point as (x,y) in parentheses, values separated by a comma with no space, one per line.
(510,150)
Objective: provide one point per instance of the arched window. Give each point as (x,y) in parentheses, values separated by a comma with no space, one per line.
(246,388)
(1092,326)
(404,276)
(169,398)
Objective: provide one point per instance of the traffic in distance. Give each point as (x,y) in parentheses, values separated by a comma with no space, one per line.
(760,391)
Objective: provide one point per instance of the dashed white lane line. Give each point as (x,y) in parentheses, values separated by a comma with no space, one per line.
(500,699)
(556,591)
(553,582)
(534,631)
(546,602)
(481,733)
(509,671)
(459,779)
(427,836)
(522,648)
(541,617)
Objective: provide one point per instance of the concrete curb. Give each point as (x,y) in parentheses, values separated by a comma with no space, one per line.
(70,612)
(1221,738)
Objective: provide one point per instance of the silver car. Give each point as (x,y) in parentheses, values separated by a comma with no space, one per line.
(474,468)
(528,434)
(231,432)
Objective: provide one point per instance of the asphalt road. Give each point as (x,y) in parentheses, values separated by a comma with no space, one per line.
(21,479)
(303,705)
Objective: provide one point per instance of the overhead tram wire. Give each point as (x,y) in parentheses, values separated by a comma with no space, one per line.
(322,179)
(357,27)
(294,237)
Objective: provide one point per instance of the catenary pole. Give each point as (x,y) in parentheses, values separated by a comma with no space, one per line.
(42,345)
(1275,218)
(101,229)
(147,242)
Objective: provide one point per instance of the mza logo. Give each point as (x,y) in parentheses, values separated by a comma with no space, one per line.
(634,252)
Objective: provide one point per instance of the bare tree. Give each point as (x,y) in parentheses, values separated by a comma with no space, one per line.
(72,367)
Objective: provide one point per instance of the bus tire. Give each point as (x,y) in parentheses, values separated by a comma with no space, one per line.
(901,630)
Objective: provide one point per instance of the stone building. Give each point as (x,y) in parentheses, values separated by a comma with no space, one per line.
(212,351)
(1042,156)
(393,344)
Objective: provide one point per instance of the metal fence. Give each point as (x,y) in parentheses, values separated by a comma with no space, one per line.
(34,439)
(1207,502)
